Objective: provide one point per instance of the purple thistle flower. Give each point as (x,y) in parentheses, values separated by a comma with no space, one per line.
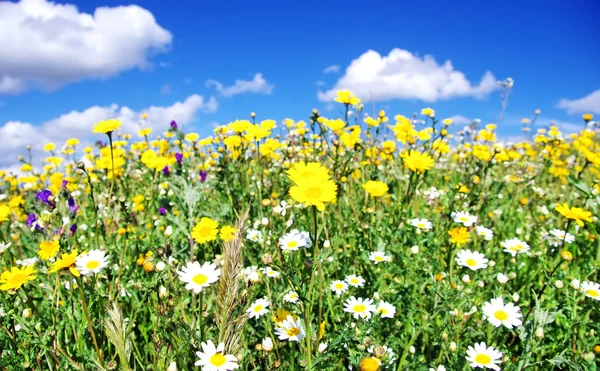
(31,219)
(173,124)
(44,196)
(162,211)
(179,157)
(166,171)
(203,175)
(72,206)
(73,229)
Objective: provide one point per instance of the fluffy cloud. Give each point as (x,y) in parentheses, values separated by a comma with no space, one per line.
(588,104)
(49,45)
(257,85)
(404,75)
(17,135)
(334,68)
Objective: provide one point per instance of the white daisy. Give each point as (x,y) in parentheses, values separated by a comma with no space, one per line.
(386,310)
(464,218)
(254,235)
(27,262)
(92,262)
(360,307)
(483,356)
(498,313)
(258,308)
(294,240)
(591,289)
(556,237)
(484,232)
(291,297)
(355,281)
(502,278)
(338,287)
(422,224)
(270,272)
(213,359)
(197,277)
(379,256)
(471,259)
(515,246)
(282,208)
(433,193)
(290,330)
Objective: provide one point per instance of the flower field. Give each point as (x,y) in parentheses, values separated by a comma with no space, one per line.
(363,242)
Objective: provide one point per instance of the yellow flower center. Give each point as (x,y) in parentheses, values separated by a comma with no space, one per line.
(293,331)
(501,315)
(200,279)
(204,231)
(421,225)
(18,279)
(383,311)
(471,262)
(218,359)
(312,193)
(359,308)
(339,286)
(293,296)
(258,308)
(483,359)
(354,281)
(379,258)
(292,244)
(92,264)
(593,293)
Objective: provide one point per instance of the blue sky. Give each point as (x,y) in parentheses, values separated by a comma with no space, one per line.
(550,51)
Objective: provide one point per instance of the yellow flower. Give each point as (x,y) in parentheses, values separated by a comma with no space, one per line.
(144,116)
(227,233)
(574,213)
(417,162)
(66,261)
(301,170)
(16,277)
(206,230)
(369,364)
(49,147)
(313,186)
(144,132)
(346,97)
(587,117)
(107,126)
(192,137)
(72,142)
(48,249)
(376,188)
(459,235)
(4,212)
(428,112)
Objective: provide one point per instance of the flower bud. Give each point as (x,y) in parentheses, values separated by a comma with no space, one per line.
(267,344)
(172,366)
(168,231)
(26,313)
(575,284)
(452,346)
(539,333)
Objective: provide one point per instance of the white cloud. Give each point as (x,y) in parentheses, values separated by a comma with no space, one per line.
(49,45)
(588,104)
(17,134)
(404,75)
(460,120)
(334,68)
(320,83)
(257,85)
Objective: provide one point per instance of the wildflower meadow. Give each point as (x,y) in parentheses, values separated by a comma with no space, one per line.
(356,241)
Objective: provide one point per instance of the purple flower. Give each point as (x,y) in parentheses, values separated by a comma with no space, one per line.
(64,183)
(166,171)
(173,124)
(203,176)
(31,219)
(162,211)
(44,196)
(73,229)
(179,157)
(72,206)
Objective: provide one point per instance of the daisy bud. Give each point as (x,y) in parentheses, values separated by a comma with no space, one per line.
(264,221)
(376,296)
(481,284)
(412,349)
(502,278)
(512,275)
(160,266)
(267,344)
(575,284)
(452,346)
(162,292)
(539,333)
(26,313)
(491,263)
(559,284)
(418,231)
(330,259)
(515,297)
(172,366)
(588,356)
(444,336)
(326,244)
(168,231)
(466,278)
(415,249)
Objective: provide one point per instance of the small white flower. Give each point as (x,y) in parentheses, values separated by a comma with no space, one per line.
(421,224)
(291,297)
(338,287)
(294,240)
(270,272)
(471,259)
(591,289)
(267,344)
(290,330)
(355,281)
(360,307)
(91,262)
(502,278)
(498,313)
(483,356)
(379,256)
(464,218)
(198,277)
(484,232)
(575,284)
(213,359)
(258,308)
(386,310)
(515,246)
